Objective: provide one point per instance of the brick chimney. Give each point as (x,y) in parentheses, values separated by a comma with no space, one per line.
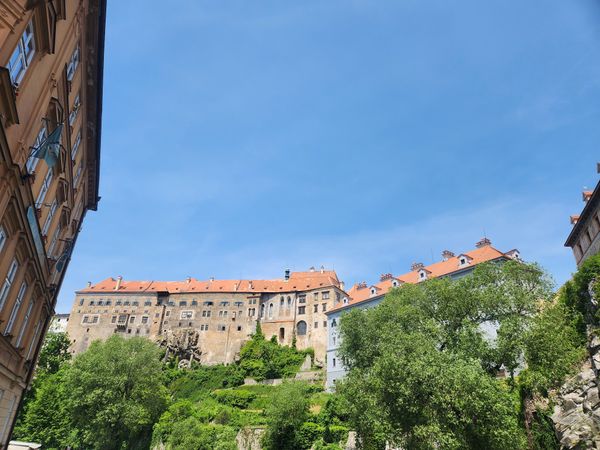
(586,195)
(416,266)
(385,276)
(322,269)
(361,285)
(574,219)
(483,243)
(447,254)
(89,284)
(342,286)
(287,274)
(119,281)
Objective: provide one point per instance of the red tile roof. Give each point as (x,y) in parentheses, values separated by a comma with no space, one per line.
(358,293)
(299,281)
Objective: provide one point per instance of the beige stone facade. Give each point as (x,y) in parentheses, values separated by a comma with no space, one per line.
(51,55)
(223,312)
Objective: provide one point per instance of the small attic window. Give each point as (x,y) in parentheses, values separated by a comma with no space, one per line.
(395,283)
(345,301)
(422,275)
(373,291)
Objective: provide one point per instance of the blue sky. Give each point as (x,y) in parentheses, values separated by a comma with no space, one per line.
(242,138)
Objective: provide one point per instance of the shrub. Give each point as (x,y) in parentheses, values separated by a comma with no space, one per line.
(237,398)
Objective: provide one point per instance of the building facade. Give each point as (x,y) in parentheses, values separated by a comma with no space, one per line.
(584,238)
(51,54)
(362,296)
(221,313)
(59,323)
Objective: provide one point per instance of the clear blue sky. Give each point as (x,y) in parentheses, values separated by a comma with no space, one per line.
(241,138)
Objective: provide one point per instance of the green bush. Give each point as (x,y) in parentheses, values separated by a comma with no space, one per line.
(308,433)
(237,398)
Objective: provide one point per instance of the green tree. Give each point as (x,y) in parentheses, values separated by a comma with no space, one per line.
(54,353)
(423,363)
(115,393)
(285,415)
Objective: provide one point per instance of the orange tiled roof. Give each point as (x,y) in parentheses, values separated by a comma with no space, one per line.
(299,281)
(361,292)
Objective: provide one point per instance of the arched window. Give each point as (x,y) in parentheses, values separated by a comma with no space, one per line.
(301,328)
(262,310)
(281,302)
(289,302)
(270,310)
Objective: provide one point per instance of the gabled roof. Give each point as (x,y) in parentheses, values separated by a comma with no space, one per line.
(438,269)
(298,281)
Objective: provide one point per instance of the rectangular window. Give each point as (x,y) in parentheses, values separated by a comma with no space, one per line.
(86,319)
(325,295)
(122,319)
(132,319)
(16,308)
(76,145)
(144,319)
(77,175)
(75,110)
(316,296)
(10,276)
(222,327)
(183,303)
(34,339)
(24,325)
(44,190)
(301,309)
(48,220)
(22,55)
(324,307)
(316,308)
(302,299)
(324,324)
(73,63)
(224,303)
(316,325)
(113,319)
(2,238)
(186,315)
(54,241)
(95,319)
(41,137)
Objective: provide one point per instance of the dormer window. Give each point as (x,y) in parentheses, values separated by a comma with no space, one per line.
(345,301)
(422,275)
(395,283)
(373,291)
(463,261)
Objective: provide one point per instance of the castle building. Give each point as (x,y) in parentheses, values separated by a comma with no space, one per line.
(584,238)
(223,313)
(362,296)
(51,58)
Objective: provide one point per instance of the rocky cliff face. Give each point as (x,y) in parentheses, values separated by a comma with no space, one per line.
(576,415)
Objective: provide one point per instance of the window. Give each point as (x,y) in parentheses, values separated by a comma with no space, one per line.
(77,175)
(270,310)
(2,237)
(113,319)
(324,307)
(333,340)
(144,319)
(316,294)
(22,55)
(262,311)
(86,319)
(334,323)
(324,324)
(194,302)
(148,303)
(94,319)
(41,137)
(187,315)
(92,303)
(118,303)
(183,303)
(10,276)
(81,300)
(325,295)
(333,362)
(316,325)
(75,111)
(132,319)
(73,63)
(301,309)
(289,302)
(281,301)
(301,328)
(127,303)
(108,302)
(302,299)
(48,220)
(224,303)
(208,303)
(122,319)
(316,308)
(239,328)
(44,190)
(24,325)
(204,327)
(16,308)
(221,327)
(100,302)
(394,283)
(76,145)
(168,313)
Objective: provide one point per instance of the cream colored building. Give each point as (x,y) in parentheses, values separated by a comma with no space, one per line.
(51,54)
(224,312)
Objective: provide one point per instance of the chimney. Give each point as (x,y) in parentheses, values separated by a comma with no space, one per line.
(447,254)
(119,280)
(250,284)
(212,279)
(189,280)
(89,284)
(586,195)
(483,243)
(312,268)
(574,219)
(322,269)
(361,285)
(416,266)
(385,276)
(287,274)
(342,286)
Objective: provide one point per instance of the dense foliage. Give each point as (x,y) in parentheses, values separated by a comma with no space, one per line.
(262,359)
(107,398)
(424,363)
